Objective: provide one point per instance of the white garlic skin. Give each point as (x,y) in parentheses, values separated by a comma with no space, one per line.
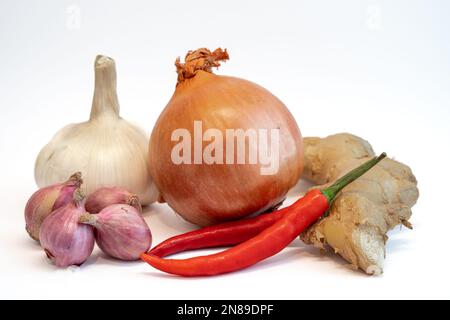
(107,150)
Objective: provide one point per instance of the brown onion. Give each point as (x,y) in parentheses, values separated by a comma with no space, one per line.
(204,193)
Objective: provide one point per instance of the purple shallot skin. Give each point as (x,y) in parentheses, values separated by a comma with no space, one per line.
(120,231)
(65,241)
(104,197)
(46,200)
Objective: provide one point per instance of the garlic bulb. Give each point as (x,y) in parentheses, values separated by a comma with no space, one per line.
(109,151)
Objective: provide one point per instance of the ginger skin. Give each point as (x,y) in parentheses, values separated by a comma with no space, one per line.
(367,209)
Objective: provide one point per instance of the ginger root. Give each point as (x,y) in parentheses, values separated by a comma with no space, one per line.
(365,210)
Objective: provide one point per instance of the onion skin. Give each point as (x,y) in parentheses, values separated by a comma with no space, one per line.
(208,194)
(46,200)
(105,197)
(120,231)
(65,241)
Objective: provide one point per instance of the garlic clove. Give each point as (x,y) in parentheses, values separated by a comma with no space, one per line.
(105,197)
(109,151)
(46,200)
(65,241)
(120,231)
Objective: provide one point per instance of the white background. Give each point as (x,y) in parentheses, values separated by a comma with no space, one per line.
(379,69)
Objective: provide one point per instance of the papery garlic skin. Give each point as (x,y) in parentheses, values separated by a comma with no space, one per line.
(46,200)
(109,151)
(120,231)
(65,241)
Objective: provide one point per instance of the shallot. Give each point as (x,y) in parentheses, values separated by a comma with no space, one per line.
(120,231)
(46,200)
(65,241)
(105,197)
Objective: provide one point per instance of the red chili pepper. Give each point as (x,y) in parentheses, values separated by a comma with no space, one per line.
(224,234)
(272,240)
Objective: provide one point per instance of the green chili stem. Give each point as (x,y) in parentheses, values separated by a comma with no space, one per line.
(332,191)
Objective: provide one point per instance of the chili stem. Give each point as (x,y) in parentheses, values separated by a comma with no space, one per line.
(332,191)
